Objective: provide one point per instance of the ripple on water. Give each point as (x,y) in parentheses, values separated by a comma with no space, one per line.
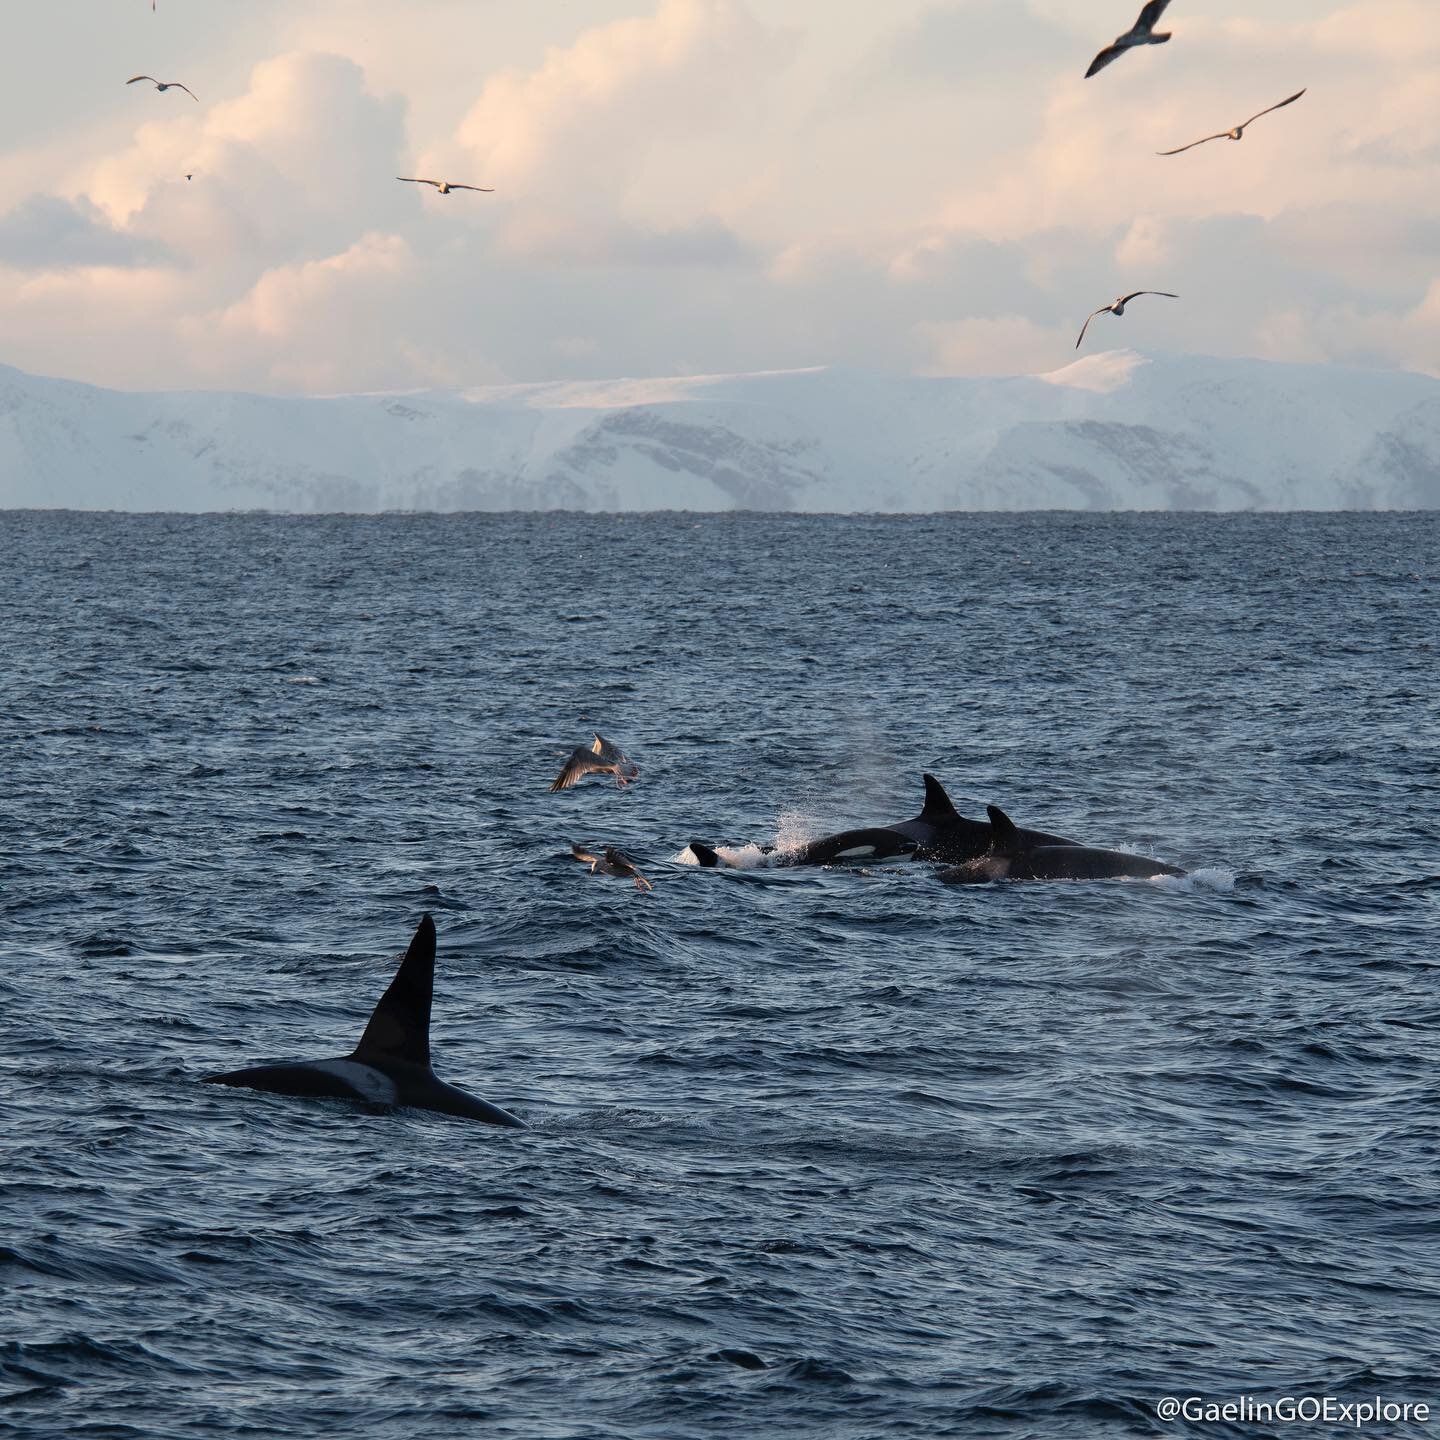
(814,1154)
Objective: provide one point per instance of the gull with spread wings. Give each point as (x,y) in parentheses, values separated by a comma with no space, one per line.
(444,186)
(1238,133)
(1118,308)
(1141,33)
(601,758)
(612,862)
(163,85)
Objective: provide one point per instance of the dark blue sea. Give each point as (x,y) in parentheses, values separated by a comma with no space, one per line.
(814,1153)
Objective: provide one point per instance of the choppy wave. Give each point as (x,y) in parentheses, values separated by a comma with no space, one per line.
(815,1153)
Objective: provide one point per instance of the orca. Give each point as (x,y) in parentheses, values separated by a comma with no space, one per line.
(391,1064)
(939,833)
(1013,857)
(879,843)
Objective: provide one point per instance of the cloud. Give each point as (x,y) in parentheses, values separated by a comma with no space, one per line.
(554,238)
(1388,253)
(99,323)
(1354,334)
(322,324)
(643,118)
(283,169)
(1003,345)
(1394,30)
(48,232)
(690,184)
(985,42)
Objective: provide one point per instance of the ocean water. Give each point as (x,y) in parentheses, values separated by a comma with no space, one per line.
(814,1153)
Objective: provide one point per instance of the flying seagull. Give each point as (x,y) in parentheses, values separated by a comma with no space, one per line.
(163,85)
(602,758)
(1118,308)
(1143,33)
(444,186)
(612,862)
(1238,133)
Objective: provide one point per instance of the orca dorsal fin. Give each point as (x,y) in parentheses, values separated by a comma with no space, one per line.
(399,1028)
(938,807)
(1006,840)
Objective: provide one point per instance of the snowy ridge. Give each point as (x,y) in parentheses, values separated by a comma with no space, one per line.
(1114,431)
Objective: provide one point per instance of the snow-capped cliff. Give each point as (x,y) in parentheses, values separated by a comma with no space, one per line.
(1112,431)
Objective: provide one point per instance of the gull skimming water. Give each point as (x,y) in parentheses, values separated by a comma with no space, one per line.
(613,862)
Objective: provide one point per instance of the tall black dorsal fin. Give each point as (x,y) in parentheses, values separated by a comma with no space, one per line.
(938,808)
(1006,840)
(400,1027)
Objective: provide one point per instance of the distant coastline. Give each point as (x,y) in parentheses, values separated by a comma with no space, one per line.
(1113,431)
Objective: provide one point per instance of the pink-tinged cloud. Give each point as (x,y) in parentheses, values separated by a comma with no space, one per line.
(924,186)
(320,324)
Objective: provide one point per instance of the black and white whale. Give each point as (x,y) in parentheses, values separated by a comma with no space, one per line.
(1013,857)
(391,1064)
(939,833)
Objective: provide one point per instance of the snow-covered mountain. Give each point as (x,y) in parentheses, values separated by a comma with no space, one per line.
(1112,431)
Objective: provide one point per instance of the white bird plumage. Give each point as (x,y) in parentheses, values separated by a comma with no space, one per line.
(1238,133)
(600,758)
(1141,33)
(163,85)
(613,862)
(1117,307)
(444,186)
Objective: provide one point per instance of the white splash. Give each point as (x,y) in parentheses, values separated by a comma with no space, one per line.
(1214,878)
(794,828)
(737,857)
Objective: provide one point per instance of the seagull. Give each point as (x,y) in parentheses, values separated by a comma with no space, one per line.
(1238,133)
(611,862)
(602,758)
(1118,308)
(163,85)
(444,186)
(1143,33)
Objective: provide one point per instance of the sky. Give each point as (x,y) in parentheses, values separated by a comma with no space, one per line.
(706,186)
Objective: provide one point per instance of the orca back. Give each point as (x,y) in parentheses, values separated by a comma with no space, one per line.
(391,1064)
(314,1080)
(1032,859)
(1084,862)
(883,843)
